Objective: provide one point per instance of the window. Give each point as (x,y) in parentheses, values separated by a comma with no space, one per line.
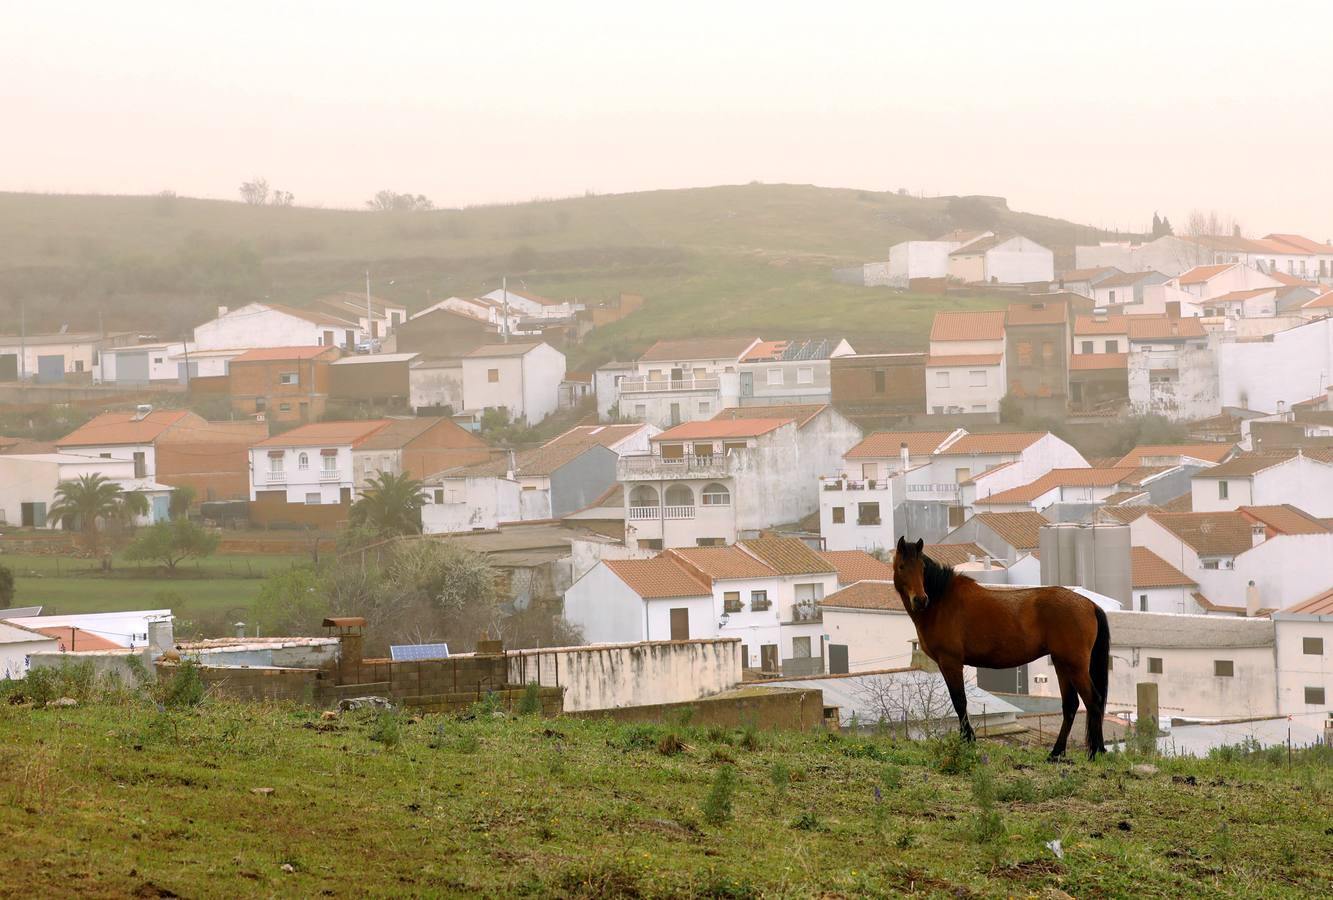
(716,495)
(643,496)
(961,475)
(703,452)
(705,408)
(976,377)
(260,404)
(1047,351)
(1210,564)
(1112,346)
(303,461)
(287,378)
(839,515)
(1143,602)
(1312,646)
(78,365)
(1087,347)
(879,381)
(978,407)
(1112,297)
(800,647)
(759,601)
(1154,665)
(1314,696)
(329,463)
(1223,668)
(775,376)
(284,407)
(867,514)
(731,601)
(937,410)
(710,542)
(870,470)
(157,360)
(493,375)
(312,499)
(680,496)
(941,379)
(650,543)
(640,410)
(439,495)
(1025,353)
(275,462)
(1222,489)
(805,376)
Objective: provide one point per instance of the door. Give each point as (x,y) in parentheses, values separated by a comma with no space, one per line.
(161,509)
(9,367)
(32,515)
(675,414)
(305,411)
(51,369)
(132,368)
(677,375)
(768,658)
(837,659)
(747,384)
(374,328)
(328,339)
(351,339)
(140,464)
(680,624)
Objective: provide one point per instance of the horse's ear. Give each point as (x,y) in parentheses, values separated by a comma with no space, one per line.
(920,545)
(902,544)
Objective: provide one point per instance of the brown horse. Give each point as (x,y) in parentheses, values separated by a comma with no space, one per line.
(960,623)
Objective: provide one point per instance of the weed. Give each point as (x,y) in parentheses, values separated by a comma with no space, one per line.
(1020,790)
(780,776)
(636,737)
(749,739)
(987,824)
(1223,843)
(906,838)
(891,776)
(531,704)
(953,755)
(717,805)
(720,755)
(808,821)
(486,708)
(387,729)
(670,744)
(184,687)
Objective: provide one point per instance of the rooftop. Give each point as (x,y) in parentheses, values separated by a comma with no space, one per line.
(888,444)
(657,578)
(791,351)
(361,359)
(1201,274)
(857,565)
(318,433)
(401,432)
(788,556)
(1240,296)
(282,354)
(994,442)
(1209,533)
(1037,312)
(309,315)
(959,554)
(605,435)
(1020,530)
(714,429)
(1095,362)
(495,351)
(537,462)
(1284,519)
(1112,325)
(1059,478)
(1246,464)
(1320,604)
(1125,279)
(1214,453)
(1148,570)
(112,428)
(803,413)
(723,563)
(977,325)
(879,594)
(699,349)
(1162,328)
(1095,273)
(965,359)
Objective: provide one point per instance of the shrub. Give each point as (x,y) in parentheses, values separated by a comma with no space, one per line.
(387,729)
(184,688)
(531,704)
(717,805)
(6,587)
(953,756)
(987,824)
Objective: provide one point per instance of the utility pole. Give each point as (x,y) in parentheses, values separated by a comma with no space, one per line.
(370,347)
(23,345)
(504,310)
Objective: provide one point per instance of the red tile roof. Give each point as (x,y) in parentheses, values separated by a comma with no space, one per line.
(865,595)
(74,639)
(977,325)
(1020,530)
(1058,478)
(731,428)
(1284,519)
(887,444)
(1035,313)
(1094,362)
(401,432)
(722,562)
(1246,465)
(788,556)
(1209,533)
(994,442)
(279,354)
(1320,604)
(699,349)
(325,433)
(1148,570)
(803,413)
(605,435)
(658,578)
(1150,328)
(1323,301)
(1240,296)
(114,428)
(1300,242)
(1208,452)
(959,554)
(1125,279)
(966,359)
(1291,280)
(1112,325)
(857,565)
(1201,274)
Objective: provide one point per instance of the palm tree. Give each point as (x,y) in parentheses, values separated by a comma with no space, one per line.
(390,504)
(85,500)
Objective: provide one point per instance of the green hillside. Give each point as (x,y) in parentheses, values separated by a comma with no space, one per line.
(748,258)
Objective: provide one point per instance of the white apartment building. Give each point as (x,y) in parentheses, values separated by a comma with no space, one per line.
(1172,368)
(275,325)
(681,381)
(1303,481)
(522,378)
(310,465)
(798,371)
(965,369)
(1304,637)
(715,481)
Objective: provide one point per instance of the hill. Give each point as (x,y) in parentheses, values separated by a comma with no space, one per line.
(751,257)
(132,799)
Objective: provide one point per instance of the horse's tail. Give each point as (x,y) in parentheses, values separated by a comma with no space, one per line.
(1099,667)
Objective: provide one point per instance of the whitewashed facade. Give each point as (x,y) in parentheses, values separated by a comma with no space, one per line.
(522,378)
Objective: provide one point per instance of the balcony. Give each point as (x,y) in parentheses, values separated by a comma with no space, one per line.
(806,613)
(666,386)
(652,513)
(630,468)
(272,477)
(842,483)
(330,475)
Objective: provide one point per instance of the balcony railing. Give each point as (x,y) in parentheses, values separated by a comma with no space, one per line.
(801,613)
(652,466)
(330,475)
(663,386)
(272,477)
(649,513)
(836,483)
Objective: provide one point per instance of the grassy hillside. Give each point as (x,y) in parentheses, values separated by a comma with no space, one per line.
(117,799)
(760,254)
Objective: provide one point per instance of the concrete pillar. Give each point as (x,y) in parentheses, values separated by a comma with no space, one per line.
(349,657)
(1147,701)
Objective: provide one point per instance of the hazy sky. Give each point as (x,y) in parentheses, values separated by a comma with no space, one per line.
(1097,112)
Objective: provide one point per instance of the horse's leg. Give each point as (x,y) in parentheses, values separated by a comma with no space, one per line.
(1069,707)
(1081,679)
(953,680)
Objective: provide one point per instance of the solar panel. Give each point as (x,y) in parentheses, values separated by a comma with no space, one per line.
(402,652)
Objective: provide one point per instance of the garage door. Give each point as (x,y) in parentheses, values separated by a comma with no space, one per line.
(9,367)
(132,368)
(51,369)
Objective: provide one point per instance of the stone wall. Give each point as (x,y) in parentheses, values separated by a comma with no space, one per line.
(785,708)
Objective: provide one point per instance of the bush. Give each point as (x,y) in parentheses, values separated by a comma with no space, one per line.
(953,756)
(77,680)
(531,704)
(184,688)
(6,587)
(717,805)
(387,729)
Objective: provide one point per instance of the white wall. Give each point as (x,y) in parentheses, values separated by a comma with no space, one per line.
(528,385)
(1191,393)
(470,503)
(875,639)
(1296,669)
(604,608)
(1019,261)
(952,388)
(124,452)
(1289,367)
(256,325)
(297,482)
(919,259)
(14,653)
(848,534)
(432,385)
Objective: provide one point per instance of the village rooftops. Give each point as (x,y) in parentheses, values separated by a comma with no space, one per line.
(980,245)
(792,351)
(398,433)
(496,351)
(355,303)
(788,556)
(1210,533)
(959,554)
(370,359)
(538,462)
(801,413)
(976,325)
(1098,273)
(1246,465)
(530,297)
(992,443)
(699,349)
(1058,478)
(1284,519)
(1241,296)
(326,434)
(873,595)
(888,444)
(310,315)
(1213,453)
(282,354)
(721,430)
(1204,274)
(1126,279)
(1163,328)
(605,435)
(1300,242)
(1020,530)
(1037,312)
(1321,604)
(1323,301)
(1148,570)
(658,578)
(129,427)
(857,565)
(723,563)
(73,639)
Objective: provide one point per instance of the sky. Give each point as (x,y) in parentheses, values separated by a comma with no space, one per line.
(1102,113)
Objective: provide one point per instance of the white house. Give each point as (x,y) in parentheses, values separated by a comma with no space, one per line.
(626,439)
(1207,283)
(1304,636)
(798,371)
(1281,369)
(275,325)
(717,481)
(530,305)
(606,382)
(867,626)
(28,485)
(375,317)
(435,384)
(137,365)
(16,644)
(522,378)
(1125,291)
(1101,333)
(1158,586)
(482,309)
(927,259)
(965,369)
(49,358)
(1082,281)
(1173,368)
(974,466)
(310,465)
(1083,486)
(1303,481)
(1011,259)
(679,381)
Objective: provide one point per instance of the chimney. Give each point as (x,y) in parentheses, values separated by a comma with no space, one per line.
(1252,604)
(160,636)
(513,464)
(240,629)
(1257,536)
(222,311)
(904,455)
(1281,407)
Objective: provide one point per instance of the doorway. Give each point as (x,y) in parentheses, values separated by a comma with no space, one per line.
(680,624)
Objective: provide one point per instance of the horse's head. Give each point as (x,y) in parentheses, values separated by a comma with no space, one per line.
(909,574)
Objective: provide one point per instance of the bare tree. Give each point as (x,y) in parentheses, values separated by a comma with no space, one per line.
(1203,225)
(392,201)
(283,198)
(916,702)
(255,192)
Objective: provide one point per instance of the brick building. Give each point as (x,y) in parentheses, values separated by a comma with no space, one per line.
(286,384)
(869,385)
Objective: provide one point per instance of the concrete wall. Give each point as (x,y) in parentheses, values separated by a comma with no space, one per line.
(582,480)
(794,709)
(1179,384)
(1287,367)
(875,639)
(433,385)
(468,504)
(631,674)
(1297,669)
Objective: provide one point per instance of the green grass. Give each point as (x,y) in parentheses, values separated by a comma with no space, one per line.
(748,258)
(205,596)
(110,800)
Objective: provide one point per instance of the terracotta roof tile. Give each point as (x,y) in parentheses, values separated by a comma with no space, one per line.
(1112,325)
(977,325)
(788,556)
(993,443)
(1087,274)
(1148,570)
(857,565)
(1320,604)
(1240,296)
(958,554)
(1323,301)
(1098,362)
(722,562)
(1284,519)
(74,639)
(538,461)
(966,359)
(496,351)
(731,428)
(1059,478)
(605,435)
(886,444)
(1037,312)
(318,433)
(1182,503)
(1162,328)
(699,348)
(1246,464)
(657,578)
(803,413)
(1020,530)
(1208,452)
(401,432)
(866,595)
(125,428)
(1299,242)
(1125,279)
(280,354)
(1125,514)
(1201,274)
(1210,533)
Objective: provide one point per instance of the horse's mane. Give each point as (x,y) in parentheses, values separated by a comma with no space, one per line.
(936,578)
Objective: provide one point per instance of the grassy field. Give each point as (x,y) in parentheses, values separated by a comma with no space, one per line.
(232,800)
(741,258)
(223,587)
